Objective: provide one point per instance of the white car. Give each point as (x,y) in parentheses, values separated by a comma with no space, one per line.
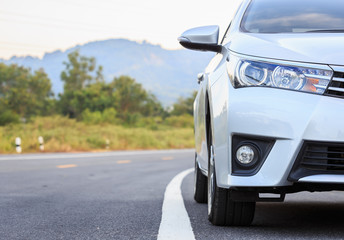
(269,113)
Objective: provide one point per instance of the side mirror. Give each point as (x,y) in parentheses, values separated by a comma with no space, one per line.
(201,38)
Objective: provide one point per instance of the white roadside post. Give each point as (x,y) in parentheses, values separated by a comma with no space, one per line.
(107,141)
(18,145)
(41,143)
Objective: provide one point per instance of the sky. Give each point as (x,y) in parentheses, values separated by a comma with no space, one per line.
(38,26)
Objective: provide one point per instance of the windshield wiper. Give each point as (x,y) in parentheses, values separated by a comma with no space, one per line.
(327,31)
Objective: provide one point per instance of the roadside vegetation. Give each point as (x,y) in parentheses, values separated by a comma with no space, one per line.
(90,114)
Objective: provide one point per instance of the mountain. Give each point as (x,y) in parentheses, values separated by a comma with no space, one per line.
(168,74)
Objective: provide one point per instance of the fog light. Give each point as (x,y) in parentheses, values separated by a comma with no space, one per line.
(245,154)
(249,153)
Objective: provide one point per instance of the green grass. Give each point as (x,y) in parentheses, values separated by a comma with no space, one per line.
(67,135)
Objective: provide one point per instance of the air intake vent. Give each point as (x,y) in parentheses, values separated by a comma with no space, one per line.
(318,158)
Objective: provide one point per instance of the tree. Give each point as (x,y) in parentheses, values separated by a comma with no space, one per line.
(131,98)
(79,70)
(94,97)
(85,93)
(22,93)
(184,105)
(78,77)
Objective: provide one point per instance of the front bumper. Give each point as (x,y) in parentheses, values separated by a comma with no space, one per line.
(289,117)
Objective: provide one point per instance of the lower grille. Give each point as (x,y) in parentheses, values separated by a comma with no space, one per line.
(318,158)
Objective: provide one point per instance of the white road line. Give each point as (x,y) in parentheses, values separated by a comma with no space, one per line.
(175,223)
(88,155)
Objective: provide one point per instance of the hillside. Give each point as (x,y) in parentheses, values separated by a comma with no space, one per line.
(166,73)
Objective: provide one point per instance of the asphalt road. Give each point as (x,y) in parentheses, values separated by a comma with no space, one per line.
(120,196)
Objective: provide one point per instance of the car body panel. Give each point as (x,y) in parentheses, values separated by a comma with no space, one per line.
(320,48)
(295,117)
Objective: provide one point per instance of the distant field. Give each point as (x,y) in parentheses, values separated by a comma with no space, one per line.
(66,135)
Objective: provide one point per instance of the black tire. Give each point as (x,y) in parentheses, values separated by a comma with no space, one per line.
(200,185)
(221,210)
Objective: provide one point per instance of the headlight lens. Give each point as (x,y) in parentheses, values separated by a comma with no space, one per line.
(285,77)
(254,73)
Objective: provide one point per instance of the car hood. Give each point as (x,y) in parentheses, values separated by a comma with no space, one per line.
(324,48)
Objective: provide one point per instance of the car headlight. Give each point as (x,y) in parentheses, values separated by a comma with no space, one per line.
(245,73)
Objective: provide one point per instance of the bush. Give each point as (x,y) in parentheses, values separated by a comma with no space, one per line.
(109,115)
(91,117)
(96,117)
(182,121)
(152,123)
(7,117)
(132,119)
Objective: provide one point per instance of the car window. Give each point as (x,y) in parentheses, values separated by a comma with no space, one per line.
(294,16)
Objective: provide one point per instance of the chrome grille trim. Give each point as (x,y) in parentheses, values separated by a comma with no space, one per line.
(338,79)
(336,89)
(338,68)
(336,85)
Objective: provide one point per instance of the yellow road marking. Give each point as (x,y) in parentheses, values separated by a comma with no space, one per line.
(66,166)
(123,161)
(167,158)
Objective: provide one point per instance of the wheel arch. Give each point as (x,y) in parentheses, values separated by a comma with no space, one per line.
(219,159)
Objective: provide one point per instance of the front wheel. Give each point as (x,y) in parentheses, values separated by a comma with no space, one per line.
(221,210)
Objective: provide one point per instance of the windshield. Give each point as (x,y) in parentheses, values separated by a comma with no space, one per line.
(294,16)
